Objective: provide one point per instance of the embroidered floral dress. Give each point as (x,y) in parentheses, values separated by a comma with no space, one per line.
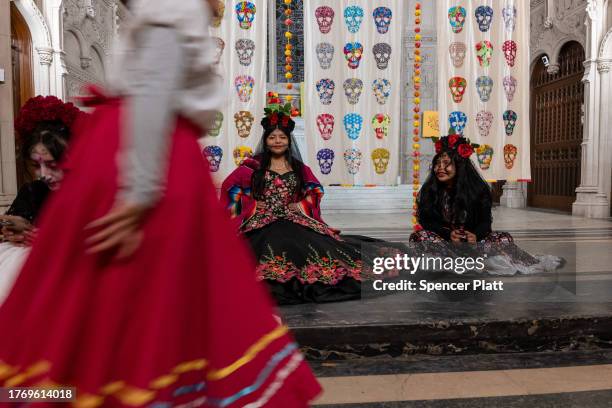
(301,258)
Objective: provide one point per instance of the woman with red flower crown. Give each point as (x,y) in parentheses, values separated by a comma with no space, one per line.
(127,294)
(454,205)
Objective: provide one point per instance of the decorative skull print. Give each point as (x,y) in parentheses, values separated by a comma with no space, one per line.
(325,124)
(244,86)
(214,155)
(380,159)
(484,154)
(457,121)
(241,153)
(484,121)
(220,12)
(245,11)
(484,86)
(219,47)
(457,51)
(244,123)
(353,124)
(326,88)
(217,125)
(510,152)
(484,17)
(325,54)
(325,18)
(325,157)
(457,86)
(381,123)
(382,90)
(353,17)
(510,84)
(352,159)
(510,49)
(382,55)
(353,52)
(353,87)
(509,14)
(245,49)
(510,118)
(456,17)
(484,52)
(382,19)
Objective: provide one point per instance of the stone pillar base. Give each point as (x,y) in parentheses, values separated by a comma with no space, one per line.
(591,205)
(513,196)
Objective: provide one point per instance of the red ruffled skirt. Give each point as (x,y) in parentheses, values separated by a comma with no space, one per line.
(183,321)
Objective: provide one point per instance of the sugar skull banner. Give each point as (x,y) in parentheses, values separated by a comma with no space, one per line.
(353,89)
(240,40)
(483,55)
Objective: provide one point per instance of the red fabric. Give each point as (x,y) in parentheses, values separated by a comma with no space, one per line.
(188,293)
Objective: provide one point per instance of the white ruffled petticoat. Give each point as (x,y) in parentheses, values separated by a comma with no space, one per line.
(12,259)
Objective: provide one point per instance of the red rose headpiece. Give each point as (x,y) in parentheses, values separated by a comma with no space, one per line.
(45,109)
(278,116)
(462,145)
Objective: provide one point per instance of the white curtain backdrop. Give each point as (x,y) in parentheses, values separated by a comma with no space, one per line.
(486,44)
(356,155)
(242,38)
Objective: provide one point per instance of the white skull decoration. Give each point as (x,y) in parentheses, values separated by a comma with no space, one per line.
(325,18)
(380,158)
(382,55)
(325,124)
(241,153)
(457,52)
(510,84)
(214,155)
(509,14)
(484,86)
(325,54)
(510,152)
(353,16)
(244,122)
(381,123)
(510,49)
(219,47)
(353,87)
(484,154)
(352,159)
(484,120)
(353,123)
(484,17)
(325,157)
(245,49)
(325,88)
(510,118)
(382,90)
(244,86)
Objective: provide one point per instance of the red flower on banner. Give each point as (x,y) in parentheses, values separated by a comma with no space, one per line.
(465,150)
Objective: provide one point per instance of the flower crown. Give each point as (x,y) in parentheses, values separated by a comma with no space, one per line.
(45,109)
(457,142)
(276,114)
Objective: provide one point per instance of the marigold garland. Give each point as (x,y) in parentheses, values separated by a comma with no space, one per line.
(416,146)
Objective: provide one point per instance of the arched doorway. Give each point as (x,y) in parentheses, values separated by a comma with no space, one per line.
(23,78)
(556,131)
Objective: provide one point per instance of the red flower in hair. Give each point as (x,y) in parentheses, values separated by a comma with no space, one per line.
(452,139)
(465,150)
(285,120)
(45,109)
(274,119)
(438,145)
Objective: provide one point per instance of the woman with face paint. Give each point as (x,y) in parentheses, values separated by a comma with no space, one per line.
(44,126)
(455,206)
(137,292)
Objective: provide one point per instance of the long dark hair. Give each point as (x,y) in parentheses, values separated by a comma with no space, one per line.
(258,182)
(53,135)
(470,192)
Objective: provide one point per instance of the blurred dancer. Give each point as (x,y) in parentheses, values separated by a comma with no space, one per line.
(137,291)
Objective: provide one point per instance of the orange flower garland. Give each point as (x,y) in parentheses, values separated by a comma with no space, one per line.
(416,154)
(288,46)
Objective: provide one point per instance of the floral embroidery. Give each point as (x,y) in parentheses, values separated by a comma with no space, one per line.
(276,268)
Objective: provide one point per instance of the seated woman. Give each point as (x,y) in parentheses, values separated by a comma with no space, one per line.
(275,197)
(454,205)
(44,127)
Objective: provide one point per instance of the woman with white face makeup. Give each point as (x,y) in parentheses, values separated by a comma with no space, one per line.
(43,125)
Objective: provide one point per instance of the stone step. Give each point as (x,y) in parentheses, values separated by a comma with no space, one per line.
(360,200)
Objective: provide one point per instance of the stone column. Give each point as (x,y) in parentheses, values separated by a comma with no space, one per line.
(8,175)
(513,196)
(45,57)
(591,200)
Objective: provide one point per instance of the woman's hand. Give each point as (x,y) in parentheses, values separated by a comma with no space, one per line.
(118,230)
(294,207)
(261,205)
(18,224)
(471,238)
(456,236)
